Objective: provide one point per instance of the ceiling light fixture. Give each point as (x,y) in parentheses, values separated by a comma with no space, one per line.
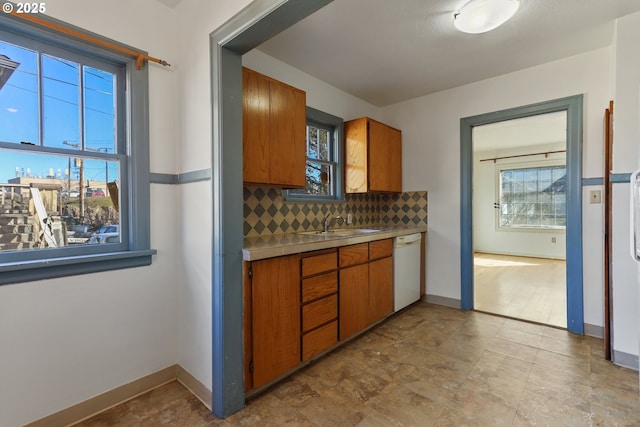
(480,16)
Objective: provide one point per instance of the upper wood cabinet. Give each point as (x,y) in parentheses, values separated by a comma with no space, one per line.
(373,157)
(274,132)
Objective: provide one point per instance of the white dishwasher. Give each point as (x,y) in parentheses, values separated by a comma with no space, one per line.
(406,266)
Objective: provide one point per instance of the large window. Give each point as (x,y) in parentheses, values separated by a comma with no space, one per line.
(533,197)
(73,155)
(324,159)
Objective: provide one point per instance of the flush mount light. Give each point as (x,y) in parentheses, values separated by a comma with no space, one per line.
(480,16)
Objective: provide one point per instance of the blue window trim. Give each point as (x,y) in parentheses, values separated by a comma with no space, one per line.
(325,119)
(135,250)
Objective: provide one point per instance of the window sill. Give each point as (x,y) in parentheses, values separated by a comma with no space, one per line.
(27,271)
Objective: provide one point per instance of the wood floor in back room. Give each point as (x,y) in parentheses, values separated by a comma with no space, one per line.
(532,289)
(428,365)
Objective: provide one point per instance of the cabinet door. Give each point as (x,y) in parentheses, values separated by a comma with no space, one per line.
(276,317)
(287,136)
(380,288)
(355,134)
(379,179)
(354,300)
(395,160)
(255,127)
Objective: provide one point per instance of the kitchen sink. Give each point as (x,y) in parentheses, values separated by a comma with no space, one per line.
(341,232)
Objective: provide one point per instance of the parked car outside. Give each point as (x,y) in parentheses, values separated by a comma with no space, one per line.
(71,194)
(98,193)
(106,234)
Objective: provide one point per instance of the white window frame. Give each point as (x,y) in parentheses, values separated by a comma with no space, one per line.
(133,145)
(520,166)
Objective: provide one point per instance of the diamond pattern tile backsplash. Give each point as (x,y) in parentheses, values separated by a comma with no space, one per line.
(266,212)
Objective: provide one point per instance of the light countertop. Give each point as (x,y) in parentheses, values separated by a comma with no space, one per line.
(274,245)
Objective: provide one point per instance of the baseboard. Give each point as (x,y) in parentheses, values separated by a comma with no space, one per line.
(447,302)
(198,389)
(594,330)
(118,395)
(625,359)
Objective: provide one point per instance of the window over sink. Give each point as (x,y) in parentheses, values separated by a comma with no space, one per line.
(324,159)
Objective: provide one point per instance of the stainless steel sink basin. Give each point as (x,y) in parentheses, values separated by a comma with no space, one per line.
(341,232)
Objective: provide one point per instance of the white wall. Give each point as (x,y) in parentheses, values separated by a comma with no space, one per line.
(195,21)
(625,160)
(489,238)
(64,341)
(431,156)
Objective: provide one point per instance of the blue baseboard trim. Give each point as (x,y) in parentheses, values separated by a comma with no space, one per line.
(594,330)
(447,302)
(625,359)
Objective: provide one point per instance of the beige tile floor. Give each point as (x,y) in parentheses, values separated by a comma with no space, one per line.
(427,366)
(525,288)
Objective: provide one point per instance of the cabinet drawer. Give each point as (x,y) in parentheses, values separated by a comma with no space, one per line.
(319,312)
(321,339)
(354,254)
(319,286)
(380,248)
(319,264)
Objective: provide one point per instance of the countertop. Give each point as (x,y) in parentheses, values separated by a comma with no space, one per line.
(274,245)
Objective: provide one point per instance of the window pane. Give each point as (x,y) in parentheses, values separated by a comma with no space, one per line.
(323,144)
(18,94)
(99,110)
(312,142)
(533,197)
(74,195)
(61,117)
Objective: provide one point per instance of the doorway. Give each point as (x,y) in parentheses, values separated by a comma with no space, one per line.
(573,108)
(519,218)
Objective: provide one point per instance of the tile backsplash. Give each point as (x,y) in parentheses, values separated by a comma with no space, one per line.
(266,212)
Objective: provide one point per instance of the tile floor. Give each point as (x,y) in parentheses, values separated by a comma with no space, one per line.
(427,366)
(526,288)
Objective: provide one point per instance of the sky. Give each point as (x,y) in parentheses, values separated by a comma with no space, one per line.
(60,117)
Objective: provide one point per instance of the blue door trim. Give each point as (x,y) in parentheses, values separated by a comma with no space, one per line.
(258,22)
(573,106)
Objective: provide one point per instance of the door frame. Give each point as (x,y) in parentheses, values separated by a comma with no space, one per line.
(253,25)
(573,105)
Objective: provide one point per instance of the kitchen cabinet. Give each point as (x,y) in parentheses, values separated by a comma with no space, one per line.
(299,306)
(273,131)
(366,285)
(274,323)
(319,313)
(373,157)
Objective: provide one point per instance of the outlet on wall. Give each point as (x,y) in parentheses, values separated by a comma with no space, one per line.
(349,218)
(553,240)
(595,196)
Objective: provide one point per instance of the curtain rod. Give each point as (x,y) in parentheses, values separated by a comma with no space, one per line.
(546,154)
(140,57)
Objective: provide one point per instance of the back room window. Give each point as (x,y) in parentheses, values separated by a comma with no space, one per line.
(533,197)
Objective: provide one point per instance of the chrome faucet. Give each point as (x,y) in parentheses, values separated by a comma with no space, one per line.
(328,221)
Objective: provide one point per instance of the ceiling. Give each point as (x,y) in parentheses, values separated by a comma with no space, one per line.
(386,52)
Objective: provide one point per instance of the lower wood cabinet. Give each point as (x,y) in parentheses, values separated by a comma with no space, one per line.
(366,289)
(275,317)
(354,300)
(319,311)
(298,306)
